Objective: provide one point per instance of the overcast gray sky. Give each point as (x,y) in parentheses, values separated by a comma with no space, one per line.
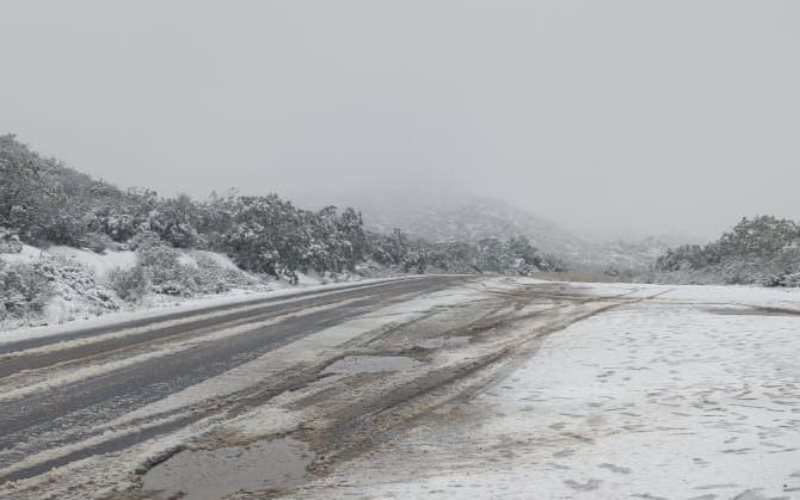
(606,116)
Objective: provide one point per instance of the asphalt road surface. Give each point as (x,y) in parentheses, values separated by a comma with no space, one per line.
(139,409)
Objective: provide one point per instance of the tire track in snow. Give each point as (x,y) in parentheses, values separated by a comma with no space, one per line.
(81,405)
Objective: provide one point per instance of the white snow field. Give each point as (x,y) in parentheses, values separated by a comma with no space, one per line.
(692,395)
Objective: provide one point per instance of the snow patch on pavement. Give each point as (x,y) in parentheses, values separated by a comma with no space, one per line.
(234,297)
(82,372)
(658,399)
(314,348)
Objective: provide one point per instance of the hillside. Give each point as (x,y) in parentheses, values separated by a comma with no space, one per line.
(472,218)
(174,245)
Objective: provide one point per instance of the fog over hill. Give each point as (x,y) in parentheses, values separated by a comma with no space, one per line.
(449,216)
(454,217)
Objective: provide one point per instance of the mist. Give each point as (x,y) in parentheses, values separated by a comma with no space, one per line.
(617,117)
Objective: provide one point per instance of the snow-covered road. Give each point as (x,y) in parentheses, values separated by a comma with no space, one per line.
(694,394)
(440,387)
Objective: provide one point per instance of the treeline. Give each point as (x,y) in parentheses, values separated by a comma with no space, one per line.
(762,250)
(515,255)
(46,203)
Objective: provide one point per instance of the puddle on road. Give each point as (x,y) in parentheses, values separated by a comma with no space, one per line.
(370,364)
(214,474)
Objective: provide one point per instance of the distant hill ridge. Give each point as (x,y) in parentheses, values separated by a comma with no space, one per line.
(472,218)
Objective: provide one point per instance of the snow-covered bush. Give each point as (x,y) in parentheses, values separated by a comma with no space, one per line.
(764,250)
(216,277)
(489,255)
(164,270)
(9,241)
(24,291)
(786,279)
(48,204)
(129,284)
(97,242)
(38,288)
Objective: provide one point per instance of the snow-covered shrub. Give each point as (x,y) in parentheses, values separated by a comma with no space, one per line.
(97,242)
(218,277)
(48,204)
(76,284)
(176,221)
(489,255)
(24,291)
(763,250)
(792,279)
(48,289)
(164,270)
(143,240)
(9,241)
(129,284)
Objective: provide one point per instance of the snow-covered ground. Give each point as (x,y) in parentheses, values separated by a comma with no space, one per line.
(101,265)
(693,394)
(155,309)
(80,289)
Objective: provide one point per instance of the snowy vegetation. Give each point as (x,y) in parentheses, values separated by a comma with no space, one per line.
(37,287)
(763,250)
(445,217)
(45,204)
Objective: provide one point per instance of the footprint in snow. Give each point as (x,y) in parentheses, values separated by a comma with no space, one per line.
(755,494)
(590,485)
(615,468)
